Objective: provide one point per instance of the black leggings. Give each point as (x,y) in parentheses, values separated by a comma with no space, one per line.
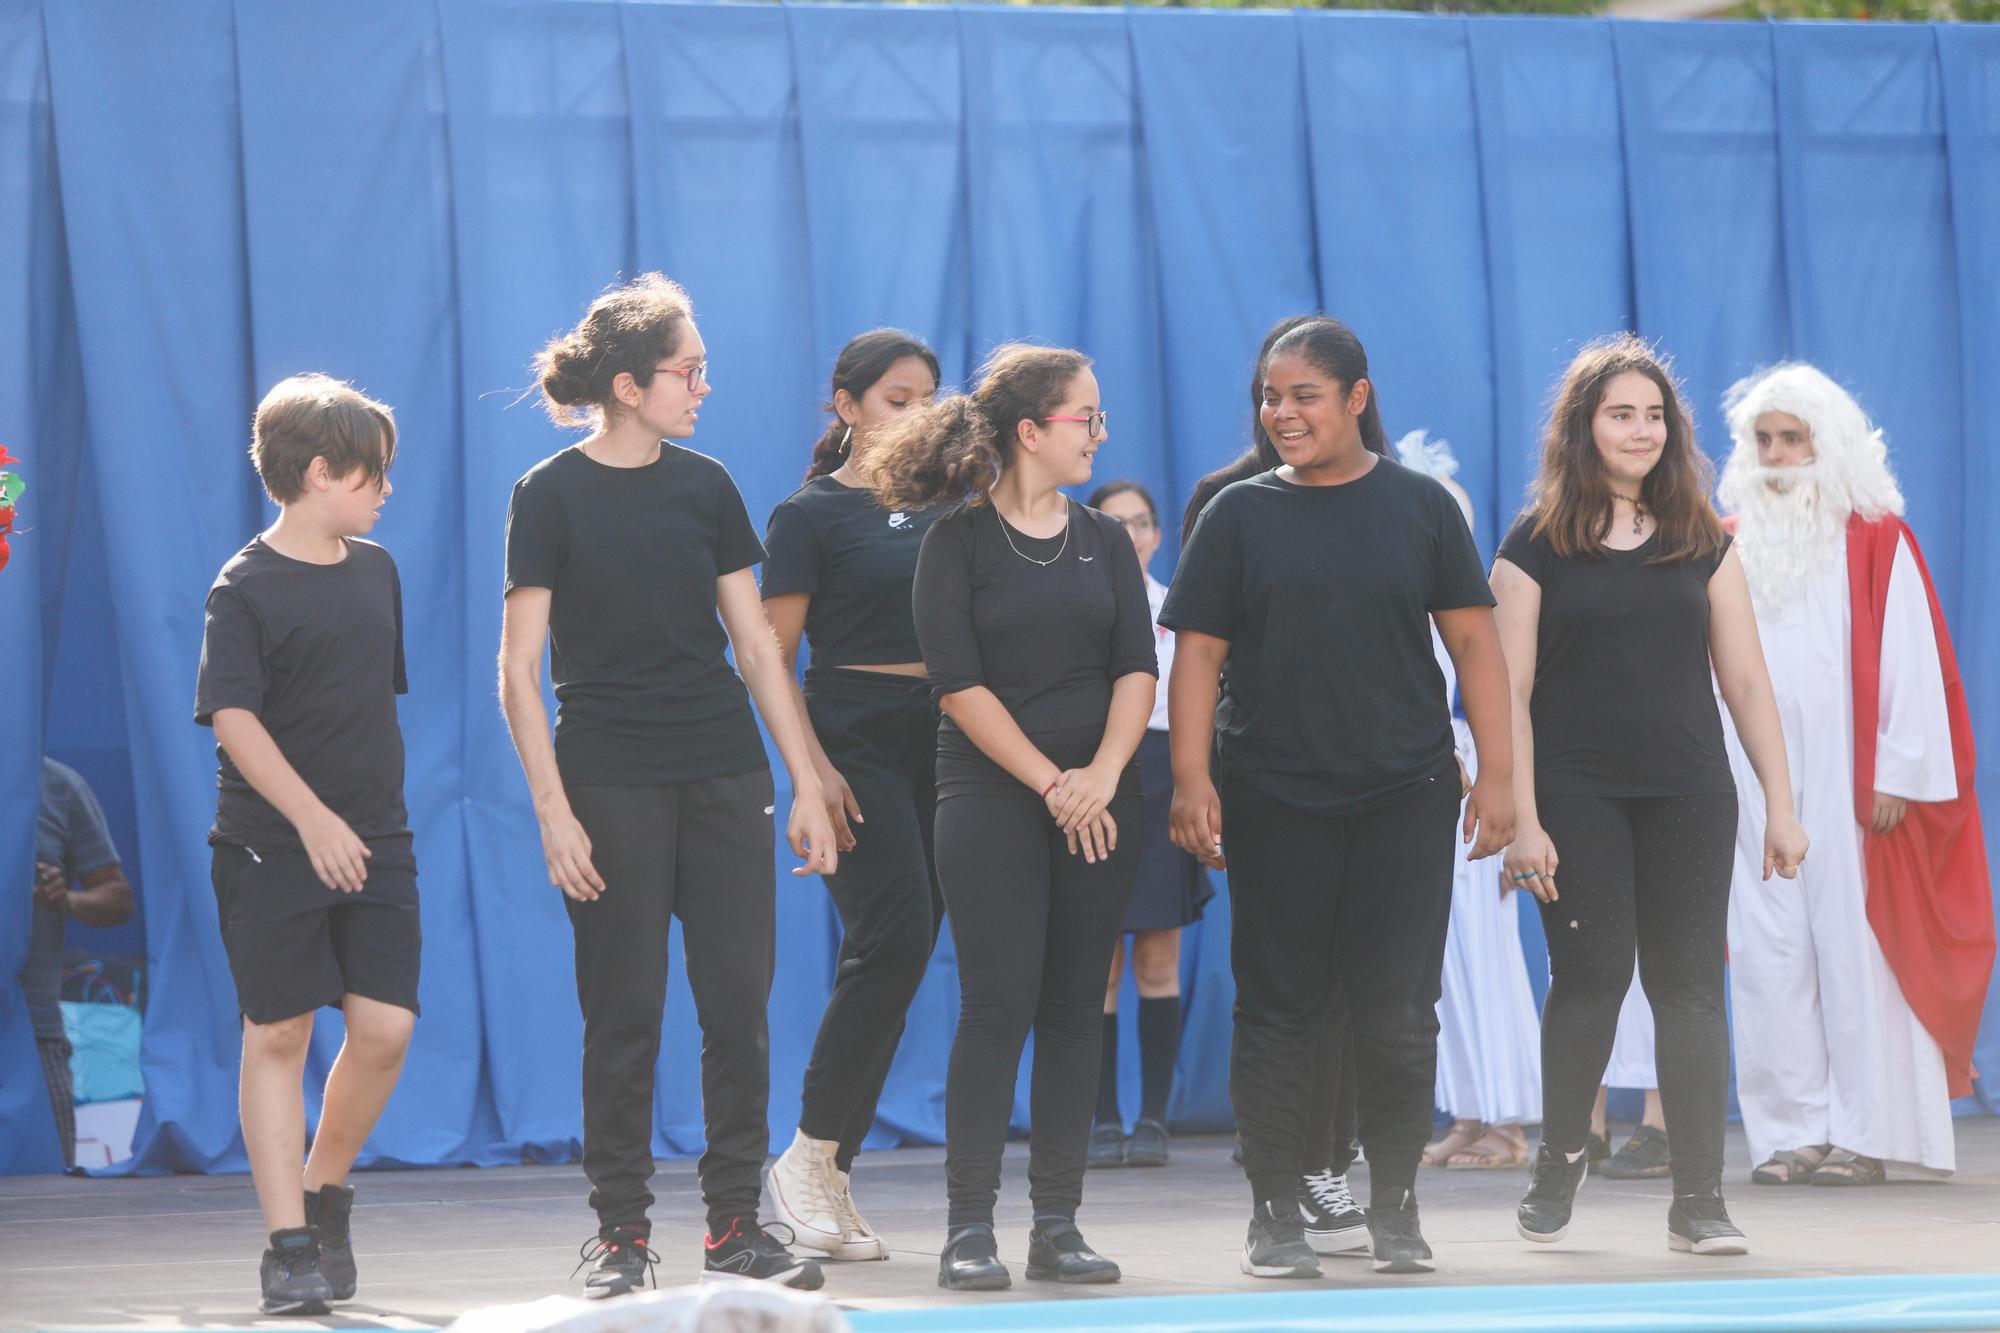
(880,732)
(1033,924)
(1357,904)
(1652,872)
(700,851)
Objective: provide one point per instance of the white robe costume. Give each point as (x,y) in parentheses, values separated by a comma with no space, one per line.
(1827,1049)
(1489,1052)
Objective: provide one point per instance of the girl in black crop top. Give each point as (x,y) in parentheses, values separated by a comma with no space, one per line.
(839,574)
(1618,595)
(1032,616)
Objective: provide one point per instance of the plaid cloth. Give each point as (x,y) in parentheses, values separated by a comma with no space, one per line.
(62,1092)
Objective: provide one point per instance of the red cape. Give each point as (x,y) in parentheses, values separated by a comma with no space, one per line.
(1930,897)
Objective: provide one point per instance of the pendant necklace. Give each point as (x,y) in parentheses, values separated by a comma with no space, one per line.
(1638,512)
(1017,550)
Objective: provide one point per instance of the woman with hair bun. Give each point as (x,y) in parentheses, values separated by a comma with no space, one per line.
(1031,612)
(839,574)
(628,557)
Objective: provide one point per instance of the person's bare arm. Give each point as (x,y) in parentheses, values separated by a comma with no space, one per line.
(524,636)
(1192,689)
(1531,860)
(1473,640)
(338,855)
(776,693)
(787,614)
(104,898)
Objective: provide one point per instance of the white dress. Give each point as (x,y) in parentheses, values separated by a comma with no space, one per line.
(1489,1058)
(1827,1048)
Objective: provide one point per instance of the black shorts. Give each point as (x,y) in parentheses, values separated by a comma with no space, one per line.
(294,944)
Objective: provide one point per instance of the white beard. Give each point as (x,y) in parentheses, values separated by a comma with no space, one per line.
(1785,533)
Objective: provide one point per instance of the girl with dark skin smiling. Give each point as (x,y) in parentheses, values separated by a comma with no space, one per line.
(1317,583)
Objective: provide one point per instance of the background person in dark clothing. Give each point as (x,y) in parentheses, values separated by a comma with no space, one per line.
(1618,595)
(1169,893)
(77,877)
(1318,583)
(1032,615)
(839,573)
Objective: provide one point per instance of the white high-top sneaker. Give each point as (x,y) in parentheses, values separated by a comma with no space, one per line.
(859,1240)
(802,1183)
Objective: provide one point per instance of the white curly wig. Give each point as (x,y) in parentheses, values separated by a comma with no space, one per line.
(1791,520)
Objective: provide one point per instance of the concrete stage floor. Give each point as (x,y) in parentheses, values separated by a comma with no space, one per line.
(181,1252)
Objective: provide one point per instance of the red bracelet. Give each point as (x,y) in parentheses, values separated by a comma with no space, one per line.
(1051,787)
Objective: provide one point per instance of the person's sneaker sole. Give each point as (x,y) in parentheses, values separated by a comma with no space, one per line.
(1277,1270)
(1406,1265)
(305,1307)
(1343,1240)
(1612,1171)
(1713,1245)
(852,1252)
(606,1293)
(806,1277)
(1541,1237)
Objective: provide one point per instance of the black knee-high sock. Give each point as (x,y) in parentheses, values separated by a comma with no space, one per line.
(1107,1075)
(1159,1047)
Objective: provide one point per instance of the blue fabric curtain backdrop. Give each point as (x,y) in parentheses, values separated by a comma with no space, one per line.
(204,196)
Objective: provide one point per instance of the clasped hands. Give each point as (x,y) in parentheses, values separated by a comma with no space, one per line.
(1079,802)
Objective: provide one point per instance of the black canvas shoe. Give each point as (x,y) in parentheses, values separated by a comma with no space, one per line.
(747,1250)
(1645,1156)
(1107,1147)
(1276,1245)
(1057,1252)
(1149,1145)
(1699,1224)
(620,1261)
(971,1261)
(328,1209)
(290,1274)
(1596,1148)
(1334,1223)
(1543,1216)
(1398,1241)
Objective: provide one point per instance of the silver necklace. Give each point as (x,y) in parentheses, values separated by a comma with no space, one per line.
(1017,550)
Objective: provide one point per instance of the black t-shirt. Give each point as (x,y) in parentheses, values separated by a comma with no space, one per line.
(644,693)
(1048,640)
(1333,700)
(316,652)
(857,560)
(1624,702)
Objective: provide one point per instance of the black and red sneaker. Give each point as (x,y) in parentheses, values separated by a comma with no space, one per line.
(746,1250)
(620,1261)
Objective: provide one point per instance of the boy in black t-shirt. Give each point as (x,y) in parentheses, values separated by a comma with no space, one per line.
(315,884)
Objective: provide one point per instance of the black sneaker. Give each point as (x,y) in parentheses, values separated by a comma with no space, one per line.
(749,1251)
(1334,1223)
(1644,1156)
(1544,1212)
(1699,1224)
(1057,1252)
(293,1283)
(1276,1245)
(971,1261)
(1149,1144)
(620,1261)
(1398,1241)
(328,1209)
(1596,1148)
(1107,1147)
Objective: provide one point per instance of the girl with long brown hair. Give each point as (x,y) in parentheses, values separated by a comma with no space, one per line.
(1618,595)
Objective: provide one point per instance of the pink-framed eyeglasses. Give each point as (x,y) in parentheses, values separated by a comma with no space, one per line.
(1095,421)
(697,374)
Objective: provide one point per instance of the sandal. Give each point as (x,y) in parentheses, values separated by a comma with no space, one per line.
(1500,1147)
(1790,1167)
(1461,1135)
(1842,1167)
